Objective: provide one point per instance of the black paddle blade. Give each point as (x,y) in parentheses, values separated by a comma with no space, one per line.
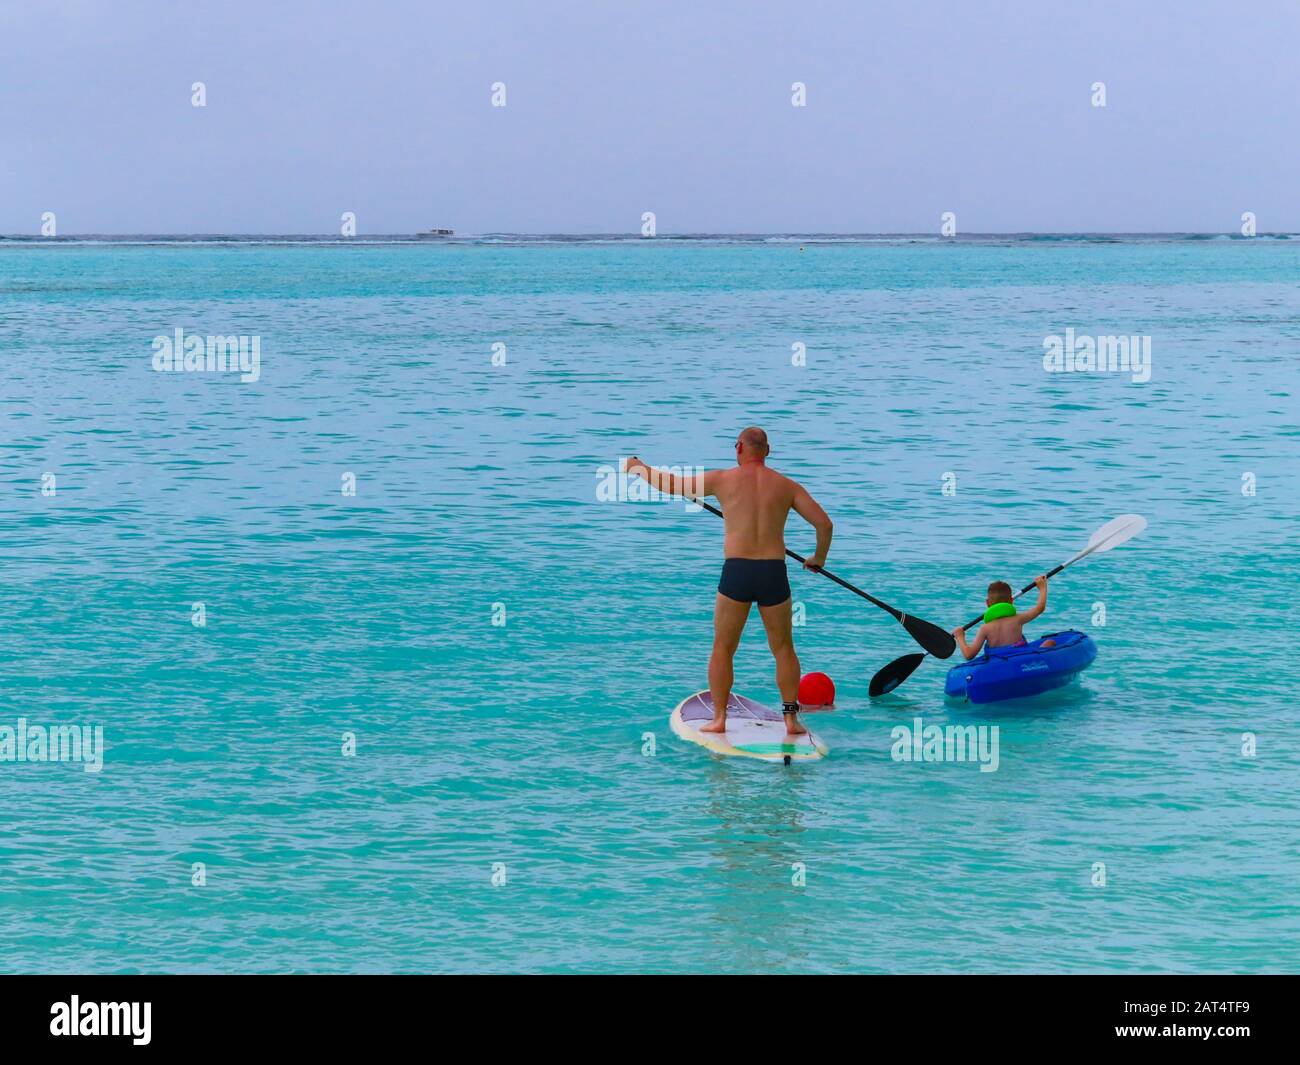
(889,678)
(931,637)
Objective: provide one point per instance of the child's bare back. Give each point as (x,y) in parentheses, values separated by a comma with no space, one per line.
(1004,632)
(1003,626)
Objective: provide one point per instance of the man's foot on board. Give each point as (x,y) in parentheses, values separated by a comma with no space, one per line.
(715,726)
(792,726)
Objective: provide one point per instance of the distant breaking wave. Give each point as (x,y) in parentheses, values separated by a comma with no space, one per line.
(633,238)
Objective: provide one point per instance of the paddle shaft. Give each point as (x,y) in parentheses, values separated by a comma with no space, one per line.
(824,572)
(1049,574)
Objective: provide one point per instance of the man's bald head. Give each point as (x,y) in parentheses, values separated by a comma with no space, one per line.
(752,444)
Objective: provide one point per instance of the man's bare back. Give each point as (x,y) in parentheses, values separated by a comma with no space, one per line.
(756,501)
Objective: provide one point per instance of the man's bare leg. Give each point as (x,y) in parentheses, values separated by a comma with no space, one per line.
(780,638)
(729,618)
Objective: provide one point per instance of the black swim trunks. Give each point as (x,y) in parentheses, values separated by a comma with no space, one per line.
(755,580)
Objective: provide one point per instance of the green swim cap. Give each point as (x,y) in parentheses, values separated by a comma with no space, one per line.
(999,610)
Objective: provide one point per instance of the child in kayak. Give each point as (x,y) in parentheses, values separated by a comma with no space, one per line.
(1003,627)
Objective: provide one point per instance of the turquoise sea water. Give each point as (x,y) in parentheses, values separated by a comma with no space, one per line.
(524,744)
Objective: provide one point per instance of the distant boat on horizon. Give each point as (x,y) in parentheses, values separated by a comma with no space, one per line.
(436,234)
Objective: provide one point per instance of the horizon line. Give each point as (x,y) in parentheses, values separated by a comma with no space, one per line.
(683,233)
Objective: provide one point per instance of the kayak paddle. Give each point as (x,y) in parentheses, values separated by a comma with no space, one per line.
(928,635)
(1112,534)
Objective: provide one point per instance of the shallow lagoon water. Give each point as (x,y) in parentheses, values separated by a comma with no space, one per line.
(520,748)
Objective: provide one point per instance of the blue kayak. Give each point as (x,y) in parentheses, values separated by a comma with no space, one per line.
(1015,672)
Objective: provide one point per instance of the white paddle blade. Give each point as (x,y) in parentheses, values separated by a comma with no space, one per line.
(1116,532)
(1112,534)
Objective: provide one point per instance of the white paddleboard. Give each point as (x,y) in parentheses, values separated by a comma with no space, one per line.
(753,731)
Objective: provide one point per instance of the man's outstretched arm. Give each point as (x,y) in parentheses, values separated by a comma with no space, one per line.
(674,484)
(811,512)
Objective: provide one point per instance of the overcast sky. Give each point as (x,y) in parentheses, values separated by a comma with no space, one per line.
(681,107)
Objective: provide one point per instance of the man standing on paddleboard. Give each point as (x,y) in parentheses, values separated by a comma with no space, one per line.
(756,500)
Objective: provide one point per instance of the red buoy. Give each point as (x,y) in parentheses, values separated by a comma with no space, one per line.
(816,689)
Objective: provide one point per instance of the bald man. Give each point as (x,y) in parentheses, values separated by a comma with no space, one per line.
(756,500)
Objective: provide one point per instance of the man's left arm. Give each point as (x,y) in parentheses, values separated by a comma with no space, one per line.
(692,487)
